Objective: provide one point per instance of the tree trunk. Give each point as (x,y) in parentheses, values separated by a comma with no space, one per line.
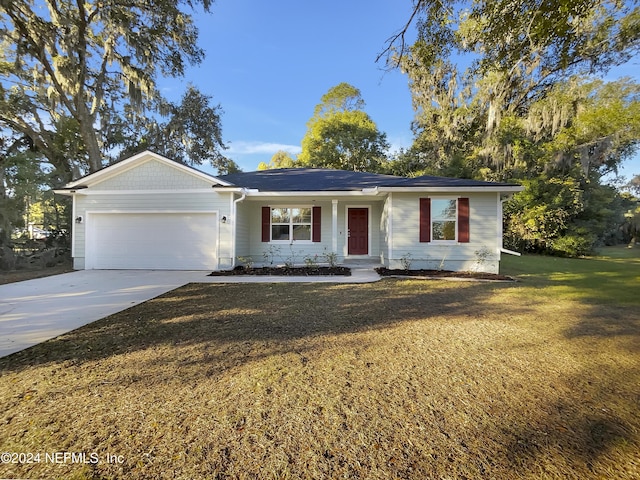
(89,135)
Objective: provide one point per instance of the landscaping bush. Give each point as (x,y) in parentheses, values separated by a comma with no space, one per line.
(577,244)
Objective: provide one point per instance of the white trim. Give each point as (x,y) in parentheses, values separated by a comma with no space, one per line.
(375,192)
(331,193)
(334,226)
(73,227)
(346,229)
(499,226)
(469,189)
(87,191)
(455,240)
(140,159)
(291,241)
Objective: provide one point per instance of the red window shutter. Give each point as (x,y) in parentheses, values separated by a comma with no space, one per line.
(425,219)
(463,220)
(316,219)
(266,224)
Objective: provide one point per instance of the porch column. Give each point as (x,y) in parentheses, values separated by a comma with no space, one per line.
(334,226)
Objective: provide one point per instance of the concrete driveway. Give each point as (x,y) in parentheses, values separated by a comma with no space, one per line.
(37,310)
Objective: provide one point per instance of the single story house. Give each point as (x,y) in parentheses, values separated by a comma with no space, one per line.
(150,212)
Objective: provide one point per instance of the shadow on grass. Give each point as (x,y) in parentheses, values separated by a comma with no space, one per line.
(224,326)
(225,318)
(585,442)
(601,322)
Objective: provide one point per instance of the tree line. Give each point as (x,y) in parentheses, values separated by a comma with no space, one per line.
(531,107)
(503,90)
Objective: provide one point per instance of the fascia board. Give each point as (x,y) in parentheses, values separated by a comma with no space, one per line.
(514,188)
(87,191)
(317,193)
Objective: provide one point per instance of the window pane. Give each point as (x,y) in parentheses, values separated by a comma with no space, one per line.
(279,232)
(302,232)
(443,209)
(444,230)
(301,215)
(279,215)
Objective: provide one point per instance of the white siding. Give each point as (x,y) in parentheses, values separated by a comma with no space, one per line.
(152,186)
(483,227)
(296,252)
(155,202)
(242,229)
(152,175)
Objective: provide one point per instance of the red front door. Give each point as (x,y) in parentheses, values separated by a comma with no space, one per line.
(358,220)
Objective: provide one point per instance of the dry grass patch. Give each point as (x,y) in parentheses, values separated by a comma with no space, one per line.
(398,379)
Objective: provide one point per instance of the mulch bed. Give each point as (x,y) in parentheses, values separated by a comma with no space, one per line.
(387,272)
(284,271)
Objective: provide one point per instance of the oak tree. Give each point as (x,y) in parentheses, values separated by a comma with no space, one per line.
(341,135)
(81,63)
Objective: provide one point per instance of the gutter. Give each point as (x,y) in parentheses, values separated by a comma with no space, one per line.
(234,217)
(371,190)
(455,189)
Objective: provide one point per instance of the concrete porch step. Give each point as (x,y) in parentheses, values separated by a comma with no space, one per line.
(353,262)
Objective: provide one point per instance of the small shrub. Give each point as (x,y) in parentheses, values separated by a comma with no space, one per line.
(270,253)
(405,261)
(444,258)
(482,254)
(331,258)
(290,261)
(8,259)
(574,245)
(247,262)
(311,261)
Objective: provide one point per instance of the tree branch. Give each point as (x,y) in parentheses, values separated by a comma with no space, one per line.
(390,42)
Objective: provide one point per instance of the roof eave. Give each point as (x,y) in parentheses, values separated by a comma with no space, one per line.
(468,188)
(69,191)
(305,193)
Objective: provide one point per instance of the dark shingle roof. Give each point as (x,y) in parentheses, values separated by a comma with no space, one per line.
(316,179)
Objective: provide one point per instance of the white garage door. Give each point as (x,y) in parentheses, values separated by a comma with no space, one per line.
(162,241)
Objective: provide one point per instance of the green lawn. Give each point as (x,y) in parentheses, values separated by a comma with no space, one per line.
(397,379)
(612,277)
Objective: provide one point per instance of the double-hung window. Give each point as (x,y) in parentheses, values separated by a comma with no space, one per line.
(290,224)
(444,220)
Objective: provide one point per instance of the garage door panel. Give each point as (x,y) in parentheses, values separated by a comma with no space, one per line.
(177,241)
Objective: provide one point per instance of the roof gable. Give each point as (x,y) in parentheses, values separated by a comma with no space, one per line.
(146,171)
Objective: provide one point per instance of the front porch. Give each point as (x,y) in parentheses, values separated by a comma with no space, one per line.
(300,230)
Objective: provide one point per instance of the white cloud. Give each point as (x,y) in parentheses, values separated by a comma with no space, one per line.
(251,148)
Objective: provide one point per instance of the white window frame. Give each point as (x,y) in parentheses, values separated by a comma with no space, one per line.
(291,224)
(439,219)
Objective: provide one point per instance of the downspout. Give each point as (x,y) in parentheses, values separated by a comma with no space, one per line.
(234,219)
(500,223)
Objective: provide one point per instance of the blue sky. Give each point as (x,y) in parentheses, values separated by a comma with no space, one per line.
(268,63)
